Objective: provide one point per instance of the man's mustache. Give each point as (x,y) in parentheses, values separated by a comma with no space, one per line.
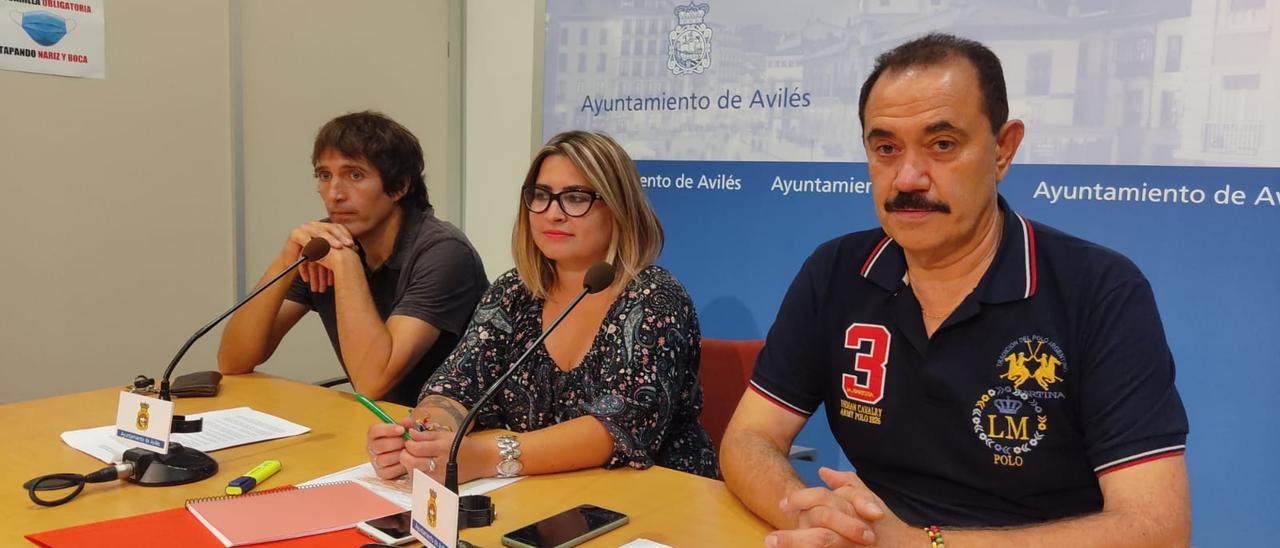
(914,201)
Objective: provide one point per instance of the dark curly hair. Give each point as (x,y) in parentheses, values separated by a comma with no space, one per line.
(383,142)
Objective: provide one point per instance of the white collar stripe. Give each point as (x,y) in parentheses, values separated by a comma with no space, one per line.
(875,255)
(1026,255)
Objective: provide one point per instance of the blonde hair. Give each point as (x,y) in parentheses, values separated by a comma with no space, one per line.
(637,233)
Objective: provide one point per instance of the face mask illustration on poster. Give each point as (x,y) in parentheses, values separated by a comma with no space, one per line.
(45,28)
(59,37)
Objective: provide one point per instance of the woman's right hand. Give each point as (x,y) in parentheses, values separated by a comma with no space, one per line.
(385,442)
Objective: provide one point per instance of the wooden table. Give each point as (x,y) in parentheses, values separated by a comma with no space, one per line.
(664,505)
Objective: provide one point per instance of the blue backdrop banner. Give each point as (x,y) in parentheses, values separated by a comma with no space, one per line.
(1151,129)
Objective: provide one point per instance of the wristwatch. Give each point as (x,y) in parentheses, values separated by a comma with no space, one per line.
(509,452)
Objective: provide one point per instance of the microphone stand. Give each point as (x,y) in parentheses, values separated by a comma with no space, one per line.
(451,468)
(164,382)
(180,464)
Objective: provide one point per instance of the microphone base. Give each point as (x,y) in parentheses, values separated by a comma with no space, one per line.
(180,465)
(475,511)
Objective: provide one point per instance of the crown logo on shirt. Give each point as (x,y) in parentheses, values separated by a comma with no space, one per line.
(1008,406)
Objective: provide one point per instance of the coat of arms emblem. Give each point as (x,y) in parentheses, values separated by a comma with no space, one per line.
(689,45)
(143,419)
(432,511)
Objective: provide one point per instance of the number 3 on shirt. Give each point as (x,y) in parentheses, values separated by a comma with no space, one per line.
(866,383)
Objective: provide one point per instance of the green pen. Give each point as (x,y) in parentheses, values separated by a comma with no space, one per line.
(373,408)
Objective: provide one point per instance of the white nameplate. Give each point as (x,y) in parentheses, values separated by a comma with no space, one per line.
(144,422)
(435,512)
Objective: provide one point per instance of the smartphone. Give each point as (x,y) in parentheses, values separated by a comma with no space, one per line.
(568,528)
(393,529)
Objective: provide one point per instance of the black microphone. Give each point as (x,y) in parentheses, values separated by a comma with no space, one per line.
(184,464)
(598,277)
(315,250)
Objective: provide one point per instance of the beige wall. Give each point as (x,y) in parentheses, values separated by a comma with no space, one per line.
(123,195)
(117,204)
(304,62)
(503,65)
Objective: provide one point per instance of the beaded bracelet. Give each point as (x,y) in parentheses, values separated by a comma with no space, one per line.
(935,536)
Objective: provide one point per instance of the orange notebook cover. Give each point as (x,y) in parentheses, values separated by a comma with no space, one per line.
(279,515)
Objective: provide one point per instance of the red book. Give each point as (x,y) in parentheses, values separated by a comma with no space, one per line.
(174,527)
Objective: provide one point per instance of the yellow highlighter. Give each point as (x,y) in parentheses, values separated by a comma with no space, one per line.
(259,474)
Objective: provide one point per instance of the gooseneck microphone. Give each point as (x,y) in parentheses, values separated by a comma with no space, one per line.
(315,250)
(183,464)
(598,277)
(180,464)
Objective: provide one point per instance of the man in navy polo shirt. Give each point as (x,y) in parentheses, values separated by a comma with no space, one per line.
(980,370)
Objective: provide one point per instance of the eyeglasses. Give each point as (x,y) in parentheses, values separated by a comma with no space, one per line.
(574,203)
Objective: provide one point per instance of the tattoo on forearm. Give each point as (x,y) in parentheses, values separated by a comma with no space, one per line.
(445,405)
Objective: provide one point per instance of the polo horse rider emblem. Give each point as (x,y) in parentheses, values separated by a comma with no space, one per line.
(689,44)
(1046,372)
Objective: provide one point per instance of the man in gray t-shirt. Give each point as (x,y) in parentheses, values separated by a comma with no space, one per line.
(398,286)
(433,275)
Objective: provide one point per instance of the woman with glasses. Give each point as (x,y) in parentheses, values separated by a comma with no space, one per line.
(616,384)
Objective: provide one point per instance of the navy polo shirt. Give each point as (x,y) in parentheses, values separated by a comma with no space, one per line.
(1052,372)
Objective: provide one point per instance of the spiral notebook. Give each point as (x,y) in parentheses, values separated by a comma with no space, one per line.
(279,515)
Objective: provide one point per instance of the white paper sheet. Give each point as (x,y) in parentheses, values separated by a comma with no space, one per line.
(399,490)
(222,429)
(643,543)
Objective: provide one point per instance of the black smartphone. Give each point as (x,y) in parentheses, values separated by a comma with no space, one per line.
(393,529)
(568,528)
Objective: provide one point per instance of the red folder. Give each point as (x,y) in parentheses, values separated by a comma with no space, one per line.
(176,527)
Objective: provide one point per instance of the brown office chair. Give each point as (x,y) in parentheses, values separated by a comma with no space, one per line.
(725,368)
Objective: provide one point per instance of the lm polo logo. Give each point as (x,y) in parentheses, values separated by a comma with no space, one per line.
(1010,423)
(1009,419)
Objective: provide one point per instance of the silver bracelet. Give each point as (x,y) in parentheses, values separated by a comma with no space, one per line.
(509,452)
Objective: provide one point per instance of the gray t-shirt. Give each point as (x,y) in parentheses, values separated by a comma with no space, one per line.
(433,274)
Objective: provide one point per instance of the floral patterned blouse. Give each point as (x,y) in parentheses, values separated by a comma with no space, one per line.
(639,378)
